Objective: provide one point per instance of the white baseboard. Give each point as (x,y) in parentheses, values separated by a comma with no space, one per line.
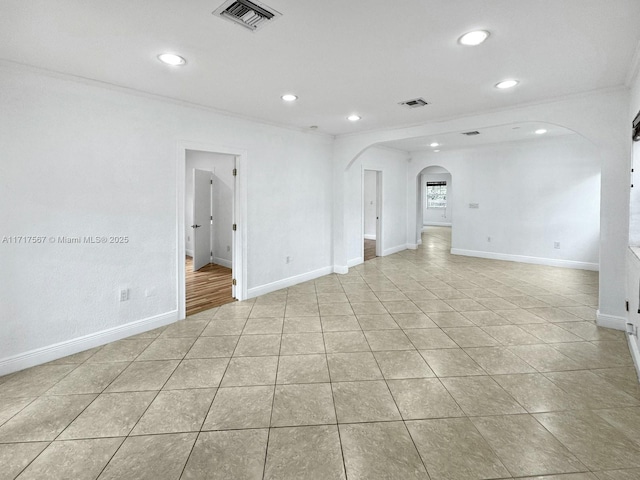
(610,321)
(354,261)
(370,237)
(392,250)
(436,224)
(223,261)
(189,253)
(552,262)
(412,246)
(341,269)
(79,344)
(288,282)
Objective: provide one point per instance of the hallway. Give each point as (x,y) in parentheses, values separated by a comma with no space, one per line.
(416,365)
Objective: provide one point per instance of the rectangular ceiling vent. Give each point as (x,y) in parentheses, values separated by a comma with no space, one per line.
(471,134)
(415,103)
(251,15)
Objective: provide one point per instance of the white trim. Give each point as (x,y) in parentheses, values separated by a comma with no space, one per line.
(436,224)
(396,249)
(341,269)
(289,282)
(369,237)
(354,261)
(552,262)
(49,353)
(610,321)
(412,246)
(189,253)
(223,261)
(240,209)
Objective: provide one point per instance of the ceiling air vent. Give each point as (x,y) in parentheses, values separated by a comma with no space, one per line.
(471,134)
(250,15)
(415,103)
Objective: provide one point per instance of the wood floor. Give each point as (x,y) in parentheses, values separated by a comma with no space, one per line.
(208,287)
(369,249)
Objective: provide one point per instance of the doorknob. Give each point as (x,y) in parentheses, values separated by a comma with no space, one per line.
(195,226)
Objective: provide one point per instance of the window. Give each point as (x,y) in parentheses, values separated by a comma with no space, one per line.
(436,194)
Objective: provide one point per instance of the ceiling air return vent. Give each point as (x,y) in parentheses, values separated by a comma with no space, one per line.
(471,134)
(251,15)
(415,103)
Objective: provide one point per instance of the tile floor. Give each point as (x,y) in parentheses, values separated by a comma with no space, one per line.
(416,365)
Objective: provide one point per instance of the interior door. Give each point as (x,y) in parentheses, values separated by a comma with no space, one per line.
(202,186)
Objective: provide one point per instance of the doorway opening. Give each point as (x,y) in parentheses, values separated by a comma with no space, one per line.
(211,250)
(372,214)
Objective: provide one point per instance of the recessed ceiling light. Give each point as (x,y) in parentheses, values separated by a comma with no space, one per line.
(541,131)
(289,97)
(172,59)
(434,144)
(354,118)
(507,84)
(473,38)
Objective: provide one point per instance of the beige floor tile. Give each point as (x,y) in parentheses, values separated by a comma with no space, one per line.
(626,420)
(485,318)
(364,402)
(464,304)
(240,407)
(498,360)
(470,337)
(330,309)
(451,362)
(544,358)
(450,319)
(591,390)
(419,398)
(332,298)
(347,367)
(520,316)
(345,342)
(429,338)
(525,447)
(151,457)
(511,335)
(550,333)
(185,328)
(473,458)
(623,378)
(388,340)
(413,320)
(78,459)
(397,296)
(339,323)
(563,476)
(526,301)
(430,306)
(302,298)
(302,310)
(304,452)
(582,311)
(197,373)
(377,322)
(88,378)
(14,457)
(401,306)
(143,376)
(259,326)
(380,451)
(175,411)
(359,297)
(246,371)
(267,311)
(557,300)
(230,326)
(402,364)
(596,443)
(481,396)
(303,404)
(302,325)
(213,347)
(167,349)
(536,393)
(257,345)
(44,418)
(110,415)
(368,308)
(630,474)
(121,351)
(303,369)
(590,331)
(302,343)
(232,311)
(449,294)
(595,354)
(11,406)
(553,314)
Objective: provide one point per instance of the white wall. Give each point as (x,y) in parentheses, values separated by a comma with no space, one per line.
(393,165)
(530,195)
(78,159)
(634,205)
(370,204)
(222,167)
(436,216)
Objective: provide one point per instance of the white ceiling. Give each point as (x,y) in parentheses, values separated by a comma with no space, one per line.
(338,56)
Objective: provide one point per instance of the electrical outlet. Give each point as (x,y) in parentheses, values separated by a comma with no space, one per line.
(474,205)
(556,244)
(188,238)
(228,248)
(124,294)
(489,239)
(288,259)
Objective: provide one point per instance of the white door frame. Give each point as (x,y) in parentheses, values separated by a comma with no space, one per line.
(240,217)
(379,210)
